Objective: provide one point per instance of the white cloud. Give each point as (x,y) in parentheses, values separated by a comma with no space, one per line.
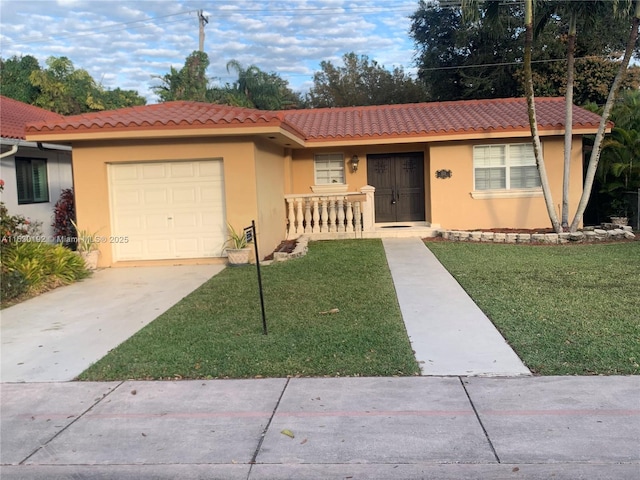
(125,42)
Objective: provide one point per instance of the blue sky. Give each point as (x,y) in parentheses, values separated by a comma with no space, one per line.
(124,43)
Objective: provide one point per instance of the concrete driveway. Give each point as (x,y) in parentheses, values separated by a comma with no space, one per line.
(54,337)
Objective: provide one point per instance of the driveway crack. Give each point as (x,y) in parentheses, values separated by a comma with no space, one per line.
(486,434)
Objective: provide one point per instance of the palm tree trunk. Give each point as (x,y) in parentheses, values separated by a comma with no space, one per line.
(537,146)
(568,124)
(595,154)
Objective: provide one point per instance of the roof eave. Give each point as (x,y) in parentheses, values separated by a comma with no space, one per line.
(441,137)
(154,133)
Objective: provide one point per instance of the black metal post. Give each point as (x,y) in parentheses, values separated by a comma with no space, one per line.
(255,244)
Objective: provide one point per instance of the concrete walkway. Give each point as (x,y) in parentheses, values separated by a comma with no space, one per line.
(449,333)
(54,337)
(328,428)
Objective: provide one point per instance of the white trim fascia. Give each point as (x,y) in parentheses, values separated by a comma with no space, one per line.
(515,193)
(24,143)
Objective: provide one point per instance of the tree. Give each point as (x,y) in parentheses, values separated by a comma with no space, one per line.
(60,87)
(624,63)
(188,83)
(477,52)
(361,81)
(14,78)
(460,59)
(255,88)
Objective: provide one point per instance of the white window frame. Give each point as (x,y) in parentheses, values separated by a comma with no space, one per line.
(507,191)
(332,170)
(32,180)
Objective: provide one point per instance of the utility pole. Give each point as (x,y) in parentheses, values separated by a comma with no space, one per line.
(202,21)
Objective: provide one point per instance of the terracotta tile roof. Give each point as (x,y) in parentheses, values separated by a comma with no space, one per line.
(169,115)
(442,118)
(14,115)
(385,121)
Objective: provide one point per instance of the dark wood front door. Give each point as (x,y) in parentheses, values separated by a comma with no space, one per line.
(399,182)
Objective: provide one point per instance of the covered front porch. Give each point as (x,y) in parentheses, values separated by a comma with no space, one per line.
(329,216)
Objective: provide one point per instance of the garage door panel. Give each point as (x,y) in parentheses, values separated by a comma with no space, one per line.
(127,198)
(168,210)
(210,170)
(155,197)
(186,220)
(151,171)
(188,195)
(184,170)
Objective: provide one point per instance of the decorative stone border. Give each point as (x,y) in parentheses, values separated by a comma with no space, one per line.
(588,235)
(302,246)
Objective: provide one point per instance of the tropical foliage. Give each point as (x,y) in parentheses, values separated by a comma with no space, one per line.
(59,87)
(361,81)
(254,88)
(463,55)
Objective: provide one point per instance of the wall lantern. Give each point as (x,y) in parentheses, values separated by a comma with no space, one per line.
(443,174)
(354,163)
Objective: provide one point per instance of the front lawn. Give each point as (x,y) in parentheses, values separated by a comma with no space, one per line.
(566,310)
(216,332)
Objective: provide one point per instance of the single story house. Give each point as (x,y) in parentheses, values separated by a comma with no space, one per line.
(159,183)
(34,173)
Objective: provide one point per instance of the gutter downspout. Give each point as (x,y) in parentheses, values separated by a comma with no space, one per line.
(13,151)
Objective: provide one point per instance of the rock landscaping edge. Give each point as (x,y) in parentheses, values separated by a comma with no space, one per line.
(587,235)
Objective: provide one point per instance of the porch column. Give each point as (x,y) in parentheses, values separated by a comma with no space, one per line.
(368,209)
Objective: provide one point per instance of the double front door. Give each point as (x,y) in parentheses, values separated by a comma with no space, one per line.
(399,182)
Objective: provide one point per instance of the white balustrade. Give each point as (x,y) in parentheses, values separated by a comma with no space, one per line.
(329,216)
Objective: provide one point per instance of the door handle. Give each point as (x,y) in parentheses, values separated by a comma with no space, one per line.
(393,197)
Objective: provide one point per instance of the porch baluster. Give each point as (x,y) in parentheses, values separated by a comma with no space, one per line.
(332,214)
(316,216)
(340,208)
(300,226)
(292,219)
(307,216)
(324,216)
(358,215)
(349,217)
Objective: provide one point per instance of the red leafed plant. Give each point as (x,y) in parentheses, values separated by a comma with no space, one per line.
(64,214)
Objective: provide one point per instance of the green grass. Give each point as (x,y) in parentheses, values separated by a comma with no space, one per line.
(216,332)
(566,310)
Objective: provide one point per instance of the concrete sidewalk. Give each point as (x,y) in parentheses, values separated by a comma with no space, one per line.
(359,428)
(449,334)
(54,337)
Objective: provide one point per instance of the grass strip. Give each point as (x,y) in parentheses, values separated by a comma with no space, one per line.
(216,331)
(566,310)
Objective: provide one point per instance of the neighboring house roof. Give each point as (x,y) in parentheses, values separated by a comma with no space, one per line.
(462,119)
(14,115)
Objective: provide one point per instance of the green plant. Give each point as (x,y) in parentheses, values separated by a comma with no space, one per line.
(34,267)
(85,240)
(13,285)
(235,240)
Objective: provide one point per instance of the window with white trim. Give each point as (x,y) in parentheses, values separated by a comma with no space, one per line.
(505,167)
(31,179)
(329,168)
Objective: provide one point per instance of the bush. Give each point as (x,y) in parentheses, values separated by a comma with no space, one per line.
(64,215)
(13,285)
(35,267)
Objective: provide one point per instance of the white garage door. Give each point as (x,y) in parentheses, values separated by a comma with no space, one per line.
(167,210)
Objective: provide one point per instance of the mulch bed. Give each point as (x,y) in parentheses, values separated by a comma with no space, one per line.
(286,246)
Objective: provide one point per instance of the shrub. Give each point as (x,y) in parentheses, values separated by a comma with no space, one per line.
(35,267)
(64,215)
(13,285)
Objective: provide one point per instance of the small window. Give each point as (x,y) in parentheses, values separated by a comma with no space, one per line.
(31,179)
(329,168)
(505,167)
